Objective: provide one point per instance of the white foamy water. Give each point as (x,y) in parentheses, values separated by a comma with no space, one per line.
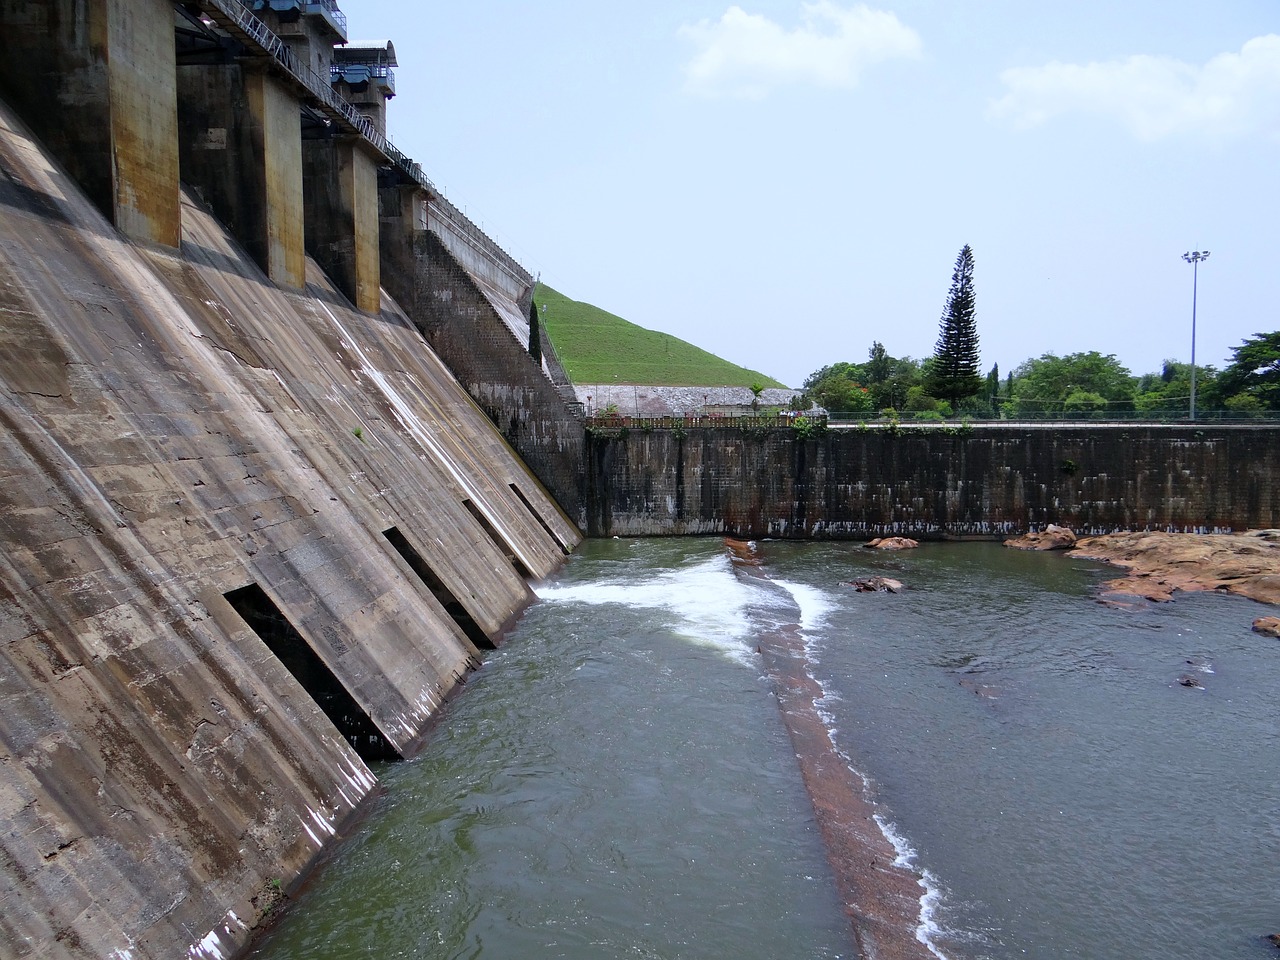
(1034,760)
(813,602)
(706,602)
(928,929)
(815,605)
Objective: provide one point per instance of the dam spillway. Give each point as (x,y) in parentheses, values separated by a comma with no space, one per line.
(278,461)
(192,450)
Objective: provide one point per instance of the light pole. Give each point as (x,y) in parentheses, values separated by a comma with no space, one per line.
(1194,258)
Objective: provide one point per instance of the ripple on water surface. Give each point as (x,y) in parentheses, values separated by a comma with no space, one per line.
(616,781)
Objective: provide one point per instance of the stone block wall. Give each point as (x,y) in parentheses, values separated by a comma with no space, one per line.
(466,325)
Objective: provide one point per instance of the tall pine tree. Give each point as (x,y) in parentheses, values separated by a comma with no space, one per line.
(955,374)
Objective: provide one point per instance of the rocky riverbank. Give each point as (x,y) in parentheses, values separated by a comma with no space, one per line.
(1158,564)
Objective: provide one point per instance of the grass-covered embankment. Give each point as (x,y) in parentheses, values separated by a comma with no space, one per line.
(597,347)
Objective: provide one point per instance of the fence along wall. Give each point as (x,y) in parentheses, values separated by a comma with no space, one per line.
(930,483)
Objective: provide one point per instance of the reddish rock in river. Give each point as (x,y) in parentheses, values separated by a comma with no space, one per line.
(1247,564)
(1052,537)
(1268,627)
(893,543)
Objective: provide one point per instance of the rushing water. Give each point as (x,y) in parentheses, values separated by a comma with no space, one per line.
(617,780)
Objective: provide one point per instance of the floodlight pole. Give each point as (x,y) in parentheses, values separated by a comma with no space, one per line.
(1194,257)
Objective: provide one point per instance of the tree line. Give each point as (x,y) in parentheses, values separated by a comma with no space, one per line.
(950,383)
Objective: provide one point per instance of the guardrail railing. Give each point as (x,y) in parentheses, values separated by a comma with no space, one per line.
(840,421)
(235,17)
(606,421)
(1057,416)
(233,13)
(329,10)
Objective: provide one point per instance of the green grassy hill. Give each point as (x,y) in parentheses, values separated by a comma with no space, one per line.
(597,347)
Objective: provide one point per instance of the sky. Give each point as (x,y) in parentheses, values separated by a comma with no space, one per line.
(783,183)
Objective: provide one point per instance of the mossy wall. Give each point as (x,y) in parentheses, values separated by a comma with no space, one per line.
(930,482)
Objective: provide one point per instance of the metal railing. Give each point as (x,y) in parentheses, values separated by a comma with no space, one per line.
(1126,417)
(235,17)
(329,10)
(466,230)
(235,14)
(842,421)
(745,422)
(354,73)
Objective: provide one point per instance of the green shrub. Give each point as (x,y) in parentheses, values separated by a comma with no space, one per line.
(809,428)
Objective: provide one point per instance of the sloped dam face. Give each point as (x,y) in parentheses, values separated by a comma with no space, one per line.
(250,538)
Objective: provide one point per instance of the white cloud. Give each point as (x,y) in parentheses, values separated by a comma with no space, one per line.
(747,55)
(1233,94)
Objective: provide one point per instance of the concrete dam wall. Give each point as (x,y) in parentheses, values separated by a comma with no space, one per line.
(250,536)
(473,322)
(276,466)
(930,482)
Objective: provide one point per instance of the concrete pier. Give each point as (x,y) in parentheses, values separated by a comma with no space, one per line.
(342,217)
(95,78)
(241,144)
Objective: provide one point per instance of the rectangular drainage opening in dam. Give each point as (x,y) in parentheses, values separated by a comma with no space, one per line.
(260,612)
(498,540)
(442,593)
(537,516)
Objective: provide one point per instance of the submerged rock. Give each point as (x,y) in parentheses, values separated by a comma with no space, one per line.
(1268,627)
(743,551)
(1052,537)
(876,585)
(893,543)
(1155,589)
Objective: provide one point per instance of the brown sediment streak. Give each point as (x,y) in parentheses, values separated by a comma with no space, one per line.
(882,900)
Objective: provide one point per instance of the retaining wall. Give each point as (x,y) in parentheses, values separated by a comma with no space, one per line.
(465,325)
(930,483)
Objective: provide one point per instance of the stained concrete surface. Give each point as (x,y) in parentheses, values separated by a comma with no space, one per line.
(921,482)
(175,427)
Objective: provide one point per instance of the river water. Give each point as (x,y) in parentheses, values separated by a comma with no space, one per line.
(618,781)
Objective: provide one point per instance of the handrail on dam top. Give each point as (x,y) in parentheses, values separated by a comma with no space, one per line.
(235,17)
(606,423)
(329,9)
(748,421)
(1058,418)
